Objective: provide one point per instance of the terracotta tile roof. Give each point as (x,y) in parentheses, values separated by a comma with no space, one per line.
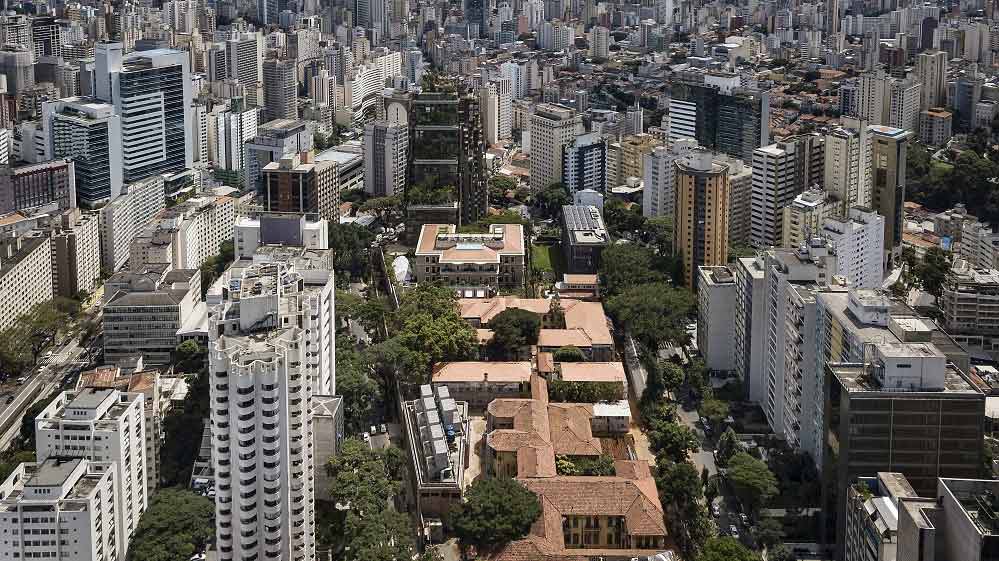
(553,338)
(485,310)
(592,371)
(536,461)
(586,323)
(570,429)
(546,363)
(632,469)
(604,496)
(498,372)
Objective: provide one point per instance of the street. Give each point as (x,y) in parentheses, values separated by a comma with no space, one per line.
(49,376)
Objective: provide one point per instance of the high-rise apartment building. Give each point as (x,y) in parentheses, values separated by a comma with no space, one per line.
(18,66)
(233,128)
(845,167)
(123,218)
(45,36)
(185,235)
(87,132)
(887,172)
(489,105)
(750,315)
(659,168)
(584,164)
(931,72)
(151,92)
(25,276)
(858,239)
(700,217)
(716,299)
(791,277)
(935,126)
(553,129)
(280,89)
(76,253)
(271,353)
(804,217)
(244,63)
(625,157)
(780,172)
(38,184)
(101,425)
(71,501)
(386,147)
(600,42)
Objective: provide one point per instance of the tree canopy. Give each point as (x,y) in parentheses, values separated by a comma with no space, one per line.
(673,441)
(725,549)
(359,478)
(353,382)
(678,484)
(177,524)
(426,329)
(551,199)
(514,329)
(350,254)
(497,510)
(569,353)
(561,391)
(728,445)
(624,266)
(653,313)
(752,480)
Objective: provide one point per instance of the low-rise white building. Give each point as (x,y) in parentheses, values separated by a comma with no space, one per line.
(60,509)
(144,310)
(101,425)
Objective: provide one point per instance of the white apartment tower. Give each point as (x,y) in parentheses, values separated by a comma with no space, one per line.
(658,174)
(233,128)
(489,109)
(858,240)
(553,127)
(600,42)
(750,317)
(790,274)
(780,172)
(245,65)
(101,425)
(67,504)
(385,147)
(271,352)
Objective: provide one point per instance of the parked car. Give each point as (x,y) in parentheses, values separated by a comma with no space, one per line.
(733,531)
(744,519)
(715,510)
